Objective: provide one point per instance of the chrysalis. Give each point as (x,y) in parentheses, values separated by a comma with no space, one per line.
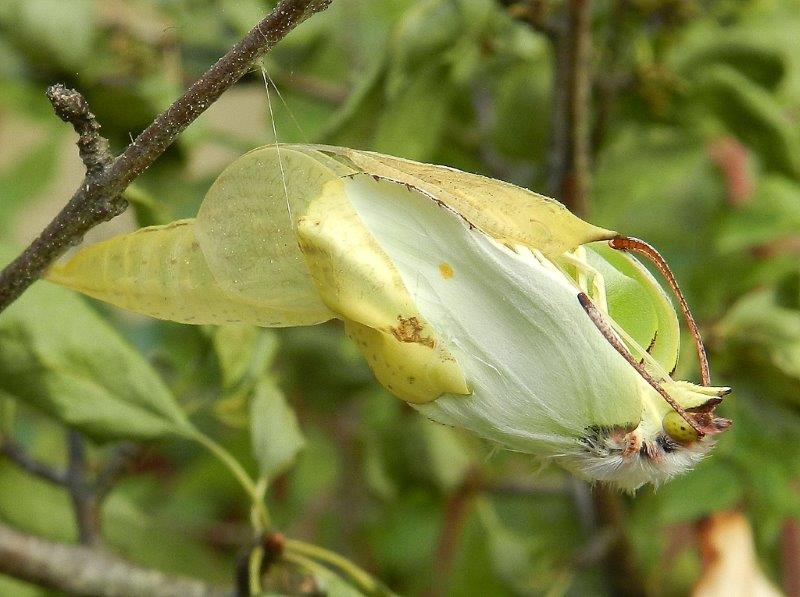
(483,305)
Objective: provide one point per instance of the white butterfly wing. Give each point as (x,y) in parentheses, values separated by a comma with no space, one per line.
(540,372)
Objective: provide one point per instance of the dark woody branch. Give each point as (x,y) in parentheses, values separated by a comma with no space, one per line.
(569,33)
(99,197)
(83,570)
(85,501)
(70,106)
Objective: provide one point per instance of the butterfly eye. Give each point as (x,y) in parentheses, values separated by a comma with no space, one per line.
(678,429)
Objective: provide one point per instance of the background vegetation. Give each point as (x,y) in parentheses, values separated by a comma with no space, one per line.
(694,146)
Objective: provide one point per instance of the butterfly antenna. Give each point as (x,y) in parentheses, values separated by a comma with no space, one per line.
(605,329)
(634,245)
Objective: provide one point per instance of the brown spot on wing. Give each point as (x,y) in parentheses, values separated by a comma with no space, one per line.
(410,330)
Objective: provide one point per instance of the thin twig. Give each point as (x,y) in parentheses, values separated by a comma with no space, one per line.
(569,176)
(87,495)
(569,145)
(117,465)
(456,513)
(612,79)
(622,568)
(17,454)
(70,106)
(83,570)
(790,557)
(99,198)
(85,501)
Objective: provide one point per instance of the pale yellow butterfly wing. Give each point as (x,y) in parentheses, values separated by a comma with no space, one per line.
(357,280)
(414,372)
(161,272)
(504,211)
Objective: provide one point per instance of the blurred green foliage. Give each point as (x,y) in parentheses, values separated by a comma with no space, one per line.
(696,148)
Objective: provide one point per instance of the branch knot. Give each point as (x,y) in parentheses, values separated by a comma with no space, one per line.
(70,106)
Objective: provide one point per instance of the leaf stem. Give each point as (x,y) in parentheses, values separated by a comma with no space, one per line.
(257,514)
(254,570)
(304,562)
(261,519)
(356,575)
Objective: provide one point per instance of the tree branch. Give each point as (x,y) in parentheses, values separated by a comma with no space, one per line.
(116,467)
(70,106)
(85,501)
(87,494)
(81,570)
(16,454)
(569,147)
(622,568)
(99,198)
(456,513)
(570,34)
(790,556)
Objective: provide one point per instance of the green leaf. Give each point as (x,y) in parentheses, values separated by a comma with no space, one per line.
(34,505)
(511,553)
(523,88)
(274,430)
(448,457)
(759,320)
(772,212)
(757,59)
(751,113)
(412,124)
(59,355)
(56,29)
(428,29)
(243,350)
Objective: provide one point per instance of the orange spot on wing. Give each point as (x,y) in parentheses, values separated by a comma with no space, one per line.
(446,271)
